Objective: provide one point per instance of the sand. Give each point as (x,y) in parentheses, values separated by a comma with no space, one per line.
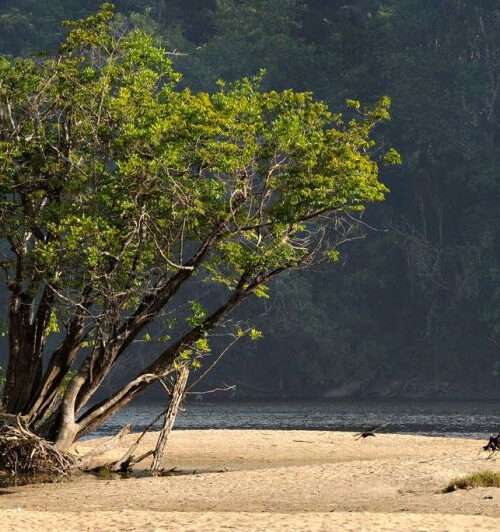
(273,480)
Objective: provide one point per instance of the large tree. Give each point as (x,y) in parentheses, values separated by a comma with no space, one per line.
(118,191)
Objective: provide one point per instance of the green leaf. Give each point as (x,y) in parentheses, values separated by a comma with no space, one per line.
(255,334)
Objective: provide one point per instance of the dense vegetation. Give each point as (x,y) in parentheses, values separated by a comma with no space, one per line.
(133,211)
(418,301)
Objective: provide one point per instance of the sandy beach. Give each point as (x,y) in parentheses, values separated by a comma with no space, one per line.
(273,480)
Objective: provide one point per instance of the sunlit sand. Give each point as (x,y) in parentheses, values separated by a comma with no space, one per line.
(273,480)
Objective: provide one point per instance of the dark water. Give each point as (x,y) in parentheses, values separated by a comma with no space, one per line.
(445,418)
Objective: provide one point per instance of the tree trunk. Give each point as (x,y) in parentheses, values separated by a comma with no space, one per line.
(162,366)
(175,402)
(60,363)
(24,370)
(27,335)
(143,316)
(68,428)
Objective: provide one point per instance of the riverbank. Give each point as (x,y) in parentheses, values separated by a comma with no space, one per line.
(273,480)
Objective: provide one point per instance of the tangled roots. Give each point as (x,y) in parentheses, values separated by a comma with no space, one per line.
(22,452)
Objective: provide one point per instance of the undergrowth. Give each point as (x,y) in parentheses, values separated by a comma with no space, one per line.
(481,479)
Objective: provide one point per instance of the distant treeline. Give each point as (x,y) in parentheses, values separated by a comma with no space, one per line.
(415,306)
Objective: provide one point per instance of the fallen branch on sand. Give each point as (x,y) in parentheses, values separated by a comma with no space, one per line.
(95,458)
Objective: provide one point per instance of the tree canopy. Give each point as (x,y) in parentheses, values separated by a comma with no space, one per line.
(119,189)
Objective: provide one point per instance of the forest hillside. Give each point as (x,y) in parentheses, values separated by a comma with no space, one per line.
(413,307)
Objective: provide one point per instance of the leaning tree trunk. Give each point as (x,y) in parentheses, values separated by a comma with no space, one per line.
(175,402)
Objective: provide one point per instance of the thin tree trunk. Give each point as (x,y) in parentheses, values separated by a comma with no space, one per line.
(96,415)
(60,363)
(55,374)
(175,402)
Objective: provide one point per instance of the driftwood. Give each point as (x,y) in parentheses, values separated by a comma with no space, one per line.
(95,458)
(175,402)
(125,463)
(22,452)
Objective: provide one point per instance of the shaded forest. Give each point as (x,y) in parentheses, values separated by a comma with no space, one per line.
(413,307)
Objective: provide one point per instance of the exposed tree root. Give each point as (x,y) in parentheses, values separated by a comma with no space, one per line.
(25,453)
(22,452)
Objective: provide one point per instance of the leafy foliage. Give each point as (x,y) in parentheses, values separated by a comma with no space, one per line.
(118,187)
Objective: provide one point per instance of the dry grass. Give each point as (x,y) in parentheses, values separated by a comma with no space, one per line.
(481,479)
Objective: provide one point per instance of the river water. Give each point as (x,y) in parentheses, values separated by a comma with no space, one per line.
(471,419)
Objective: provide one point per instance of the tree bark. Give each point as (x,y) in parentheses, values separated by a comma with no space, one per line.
(68,427)
(175,403)
(25,361)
